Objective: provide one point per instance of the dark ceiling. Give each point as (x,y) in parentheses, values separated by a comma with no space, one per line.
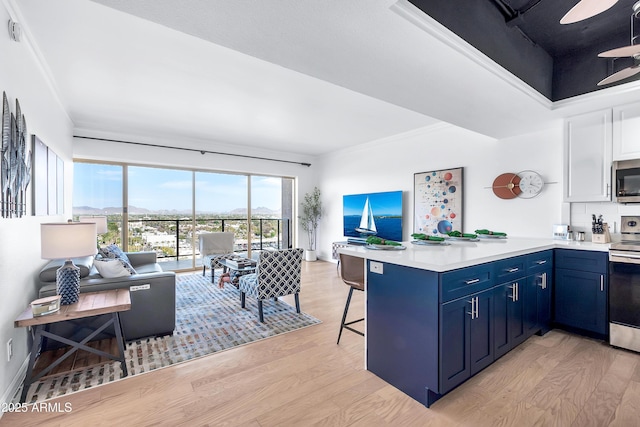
(526,38)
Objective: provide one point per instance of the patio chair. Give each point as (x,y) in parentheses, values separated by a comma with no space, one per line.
(278,274)
(213,247)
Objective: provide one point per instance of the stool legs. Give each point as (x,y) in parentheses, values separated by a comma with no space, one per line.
(344,325)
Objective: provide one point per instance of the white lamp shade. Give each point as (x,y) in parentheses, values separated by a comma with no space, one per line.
(67,240)
(100,221)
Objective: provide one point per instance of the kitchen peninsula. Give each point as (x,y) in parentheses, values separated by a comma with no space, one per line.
(437,315)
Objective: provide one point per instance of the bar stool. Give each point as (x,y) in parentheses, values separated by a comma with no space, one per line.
(352,273)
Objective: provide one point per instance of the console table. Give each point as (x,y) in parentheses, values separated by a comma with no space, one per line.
(90,304)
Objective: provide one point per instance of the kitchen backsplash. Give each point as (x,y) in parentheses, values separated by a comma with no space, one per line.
(611,213)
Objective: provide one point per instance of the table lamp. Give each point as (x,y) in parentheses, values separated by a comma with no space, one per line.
(100,221)
(66,241)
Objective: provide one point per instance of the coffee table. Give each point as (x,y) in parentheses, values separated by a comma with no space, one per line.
(240,271)
(90,304)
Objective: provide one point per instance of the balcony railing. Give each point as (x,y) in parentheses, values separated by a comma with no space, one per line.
(173,239)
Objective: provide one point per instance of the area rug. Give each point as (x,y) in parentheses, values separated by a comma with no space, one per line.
(208,320)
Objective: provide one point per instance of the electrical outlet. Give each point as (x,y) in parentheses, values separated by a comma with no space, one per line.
(376,267)
(9,349)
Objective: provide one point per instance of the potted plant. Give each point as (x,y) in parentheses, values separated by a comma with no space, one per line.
(311,214)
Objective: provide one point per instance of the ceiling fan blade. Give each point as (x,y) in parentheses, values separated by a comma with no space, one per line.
(586,9)
(620,52)
(620,75)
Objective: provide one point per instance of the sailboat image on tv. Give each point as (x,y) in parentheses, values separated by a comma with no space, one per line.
(372,214)
(367,221)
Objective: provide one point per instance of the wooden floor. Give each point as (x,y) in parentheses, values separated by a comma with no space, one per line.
(303,378)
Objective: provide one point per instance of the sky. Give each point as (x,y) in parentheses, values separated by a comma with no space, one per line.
(100,186)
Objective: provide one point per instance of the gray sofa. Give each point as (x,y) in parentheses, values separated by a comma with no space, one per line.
(153,294)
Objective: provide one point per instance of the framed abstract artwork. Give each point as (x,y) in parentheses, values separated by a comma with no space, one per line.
(438,201)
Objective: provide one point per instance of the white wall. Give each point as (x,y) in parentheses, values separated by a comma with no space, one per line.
(390,164)
(21,77)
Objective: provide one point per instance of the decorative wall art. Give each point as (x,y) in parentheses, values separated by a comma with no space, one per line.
(16,162)
(438,199)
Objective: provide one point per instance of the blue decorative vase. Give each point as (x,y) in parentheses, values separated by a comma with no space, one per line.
(68,283)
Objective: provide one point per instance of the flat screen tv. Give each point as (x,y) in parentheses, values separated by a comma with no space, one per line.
(373,214)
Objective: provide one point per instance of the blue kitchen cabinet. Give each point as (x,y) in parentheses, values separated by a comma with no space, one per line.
(580,293)
(540,283)
(466,338)
(522,306)
(581,300)
(509,308)
(428,332)
(403,329)
(540,279)
(509,316)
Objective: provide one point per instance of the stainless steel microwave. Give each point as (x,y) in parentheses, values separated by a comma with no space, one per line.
(626,174)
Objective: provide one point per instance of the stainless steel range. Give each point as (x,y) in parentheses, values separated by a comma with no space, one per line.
(624,286)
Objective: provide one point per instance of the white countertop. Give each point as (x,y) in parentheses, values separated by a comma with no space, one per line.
(460,254)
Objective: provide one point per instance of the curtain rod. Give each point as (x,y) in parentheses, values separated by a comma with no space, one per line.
(203,152)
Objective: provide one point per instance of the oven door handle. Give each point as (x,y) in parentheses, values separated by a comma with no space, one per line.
(621,257)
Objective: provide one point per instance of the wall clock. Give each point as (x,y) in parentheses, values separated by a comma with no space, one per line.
(507,186)
(531,184)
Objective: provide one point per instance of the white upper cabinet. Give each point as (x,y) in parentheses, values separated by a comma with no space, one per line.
(626,132)
(587,157)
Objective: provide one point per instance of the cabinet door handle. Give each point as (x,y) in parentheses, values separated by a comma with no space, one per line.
(473,312)
(512,270)
(543,280)
(601,283)
(608,190)
(514,288)
(472,281)
(477,308)
(517,292)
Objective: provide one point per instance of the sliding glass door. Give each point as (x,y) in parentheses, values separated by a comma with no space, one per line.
(271,210)
(220,205)
(160,213)
(167,209)
(98,191)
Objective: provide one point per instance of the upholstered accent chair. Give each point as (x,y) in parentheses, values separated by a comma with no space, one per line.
(213,247)
(278,274)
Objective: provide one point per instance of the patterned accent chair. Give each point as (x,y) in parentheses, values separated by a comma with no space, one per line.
(213,247)
(278,274)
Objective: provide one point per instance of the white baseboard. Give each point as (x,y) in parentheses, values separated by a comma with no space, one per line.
(17,381)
